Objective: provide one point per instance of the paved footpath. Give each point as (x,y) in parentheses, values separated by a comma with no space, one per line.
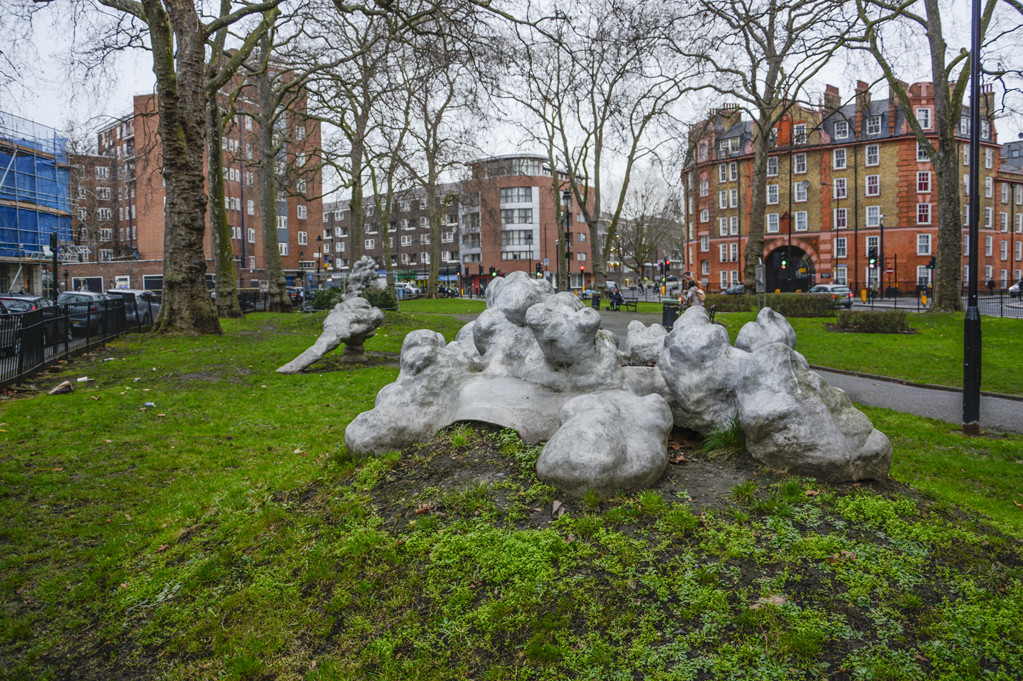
(996,413)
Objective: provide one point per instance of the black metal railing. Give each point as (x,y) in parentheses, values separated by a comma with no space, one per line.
(31,341)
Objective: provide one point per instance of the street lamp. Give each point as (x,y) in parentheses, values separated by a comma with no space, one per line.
(529,242)
(566,201)
(319,256)
(65,280)
(884,266)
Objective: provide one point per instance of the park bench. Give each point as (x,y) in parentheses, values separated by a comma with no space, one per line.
(630,303)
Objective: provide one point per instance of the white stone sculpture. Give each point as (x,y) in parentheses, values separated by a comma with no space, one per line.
(538,362)
(352,322)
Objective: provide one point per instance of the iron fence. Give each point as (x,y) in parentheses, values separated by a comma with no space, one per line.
(31,341)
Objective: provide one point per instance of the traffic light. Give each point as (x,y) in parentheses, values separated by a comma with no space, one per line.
(931,263)
(784,262)
(667,266)
(539,270)
(493,271)
(872,258)
(481,269)
(500,273)
(660,266)
(582,268)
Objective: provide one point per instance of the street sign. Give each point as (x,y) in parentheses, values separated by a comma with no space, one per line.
(889,271)
(546,262)
(264,286)
(761,280)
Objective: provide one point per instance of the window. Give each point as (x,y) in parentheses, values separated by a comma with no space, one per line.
(873,242)
(368,212)
(1003,250)
(841,218)
(873,185)
(236,233)
(282,247)
(772,166)
(733,225)
(840,188)
(989,187)
(340,247)
(873,155)
(250,206)
(1005,193)
(705,267)
(723,226)
(106,254)
(406,240)
(252,239)
(424,222)
(921,153)
(799,133)
(772,194)
(103,193)
(800,163)
(838,159)
(772,223)
(299,160)
(299,132)
(106,234)
(801,221)
(989,157)
(1004,221)
(733,252)
(103,213)
(733,198)
(300,186)
(424,239)
(842,275)
(966,154)
(516,216)
(873,216)
(988,246)
(966,184)
(102,173)
(966,244)
(923,275)
(422,204)
(704,244)
(303,238)
(1019,195)
(516,194)
(722,173)
(841,248)
(1019,223)
(301,212)
(841,129)
(733,171)
(873,125)
(923,244)
(723,199)
(82,215)
(989,216)
(723,253)
(704,215)
(447,237)
(250,179)
(923,117)
(724,278)
(370,243)
(985,128)
(252,262)
(801,188)
(704,188)
(580,236)
(923,213)
(923,182)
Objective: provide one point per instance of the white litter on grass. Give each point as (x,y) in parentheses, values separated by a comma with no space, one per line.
(83,379)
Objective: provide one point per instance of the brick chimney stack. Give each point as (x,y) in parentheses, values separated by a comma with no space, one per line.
(862,105)
(832,99)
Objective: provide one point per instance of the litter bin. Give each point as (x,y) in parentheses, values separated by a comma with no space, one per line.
(595,301)
(669,313)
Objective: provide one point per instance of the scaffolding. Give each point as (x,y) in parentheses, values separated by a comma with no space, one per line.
(34,198)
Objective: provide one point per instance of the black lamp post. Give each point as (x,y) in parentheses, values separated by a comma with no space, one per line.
(566,200)
(65,280)
(529,242)
(971,324)
(319,249)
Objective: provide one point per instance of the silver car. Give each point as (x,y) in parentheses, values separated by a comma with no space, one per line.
(140,307)
(841,294)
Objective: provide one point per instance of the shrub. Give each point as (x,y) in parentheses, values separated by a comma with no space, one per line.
(327,298)
(730,303)
(802,304)
(883,321)
(381,297)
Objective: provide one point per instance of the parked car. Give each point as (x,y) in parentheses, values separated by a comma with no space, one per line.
(297,295)
(841,294)
(88,311)
(54,325)
(140,307)
(8,332)
(734,290)
(446,292)
(586,294)
(1014,291)
(408,290)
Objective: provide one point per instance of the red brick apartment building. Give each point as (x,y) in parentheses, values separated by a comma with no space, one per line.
(504,220)
(840,180)
(119,222)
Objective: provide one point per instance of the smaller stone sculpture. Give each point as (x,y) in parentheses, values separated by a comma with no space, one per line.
(352,322)
(643,344)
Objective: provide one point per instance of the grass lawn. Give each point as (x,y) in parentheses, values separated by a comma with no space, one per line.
(225,533)
(934,354)
(444,306)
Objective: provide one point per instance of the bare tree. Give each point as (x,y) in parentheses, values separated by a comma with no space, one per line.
(950,75)
(650,220)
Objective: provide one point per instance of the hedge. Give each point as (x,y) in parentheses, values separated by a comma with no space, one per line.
(885,321)
(802,304)
(730,303)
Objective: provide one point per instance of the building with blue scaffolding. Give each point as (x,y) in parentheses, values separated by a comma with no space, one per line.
(34,203)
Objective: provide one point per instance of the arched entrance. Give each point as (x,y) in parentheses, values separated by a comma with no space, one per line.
(789,268)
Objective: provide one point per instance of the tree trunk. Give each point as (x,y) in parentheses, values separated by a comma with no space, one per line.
(227,291)
(754,250)
(435,211)
(279,300)
(357,225)
(186,307)
(948,263)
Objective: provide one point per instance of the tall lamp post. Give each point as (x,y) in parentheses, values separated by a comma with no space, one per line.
(319,258)
(529,242)
(566,201)
(971,325)
(884,265)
